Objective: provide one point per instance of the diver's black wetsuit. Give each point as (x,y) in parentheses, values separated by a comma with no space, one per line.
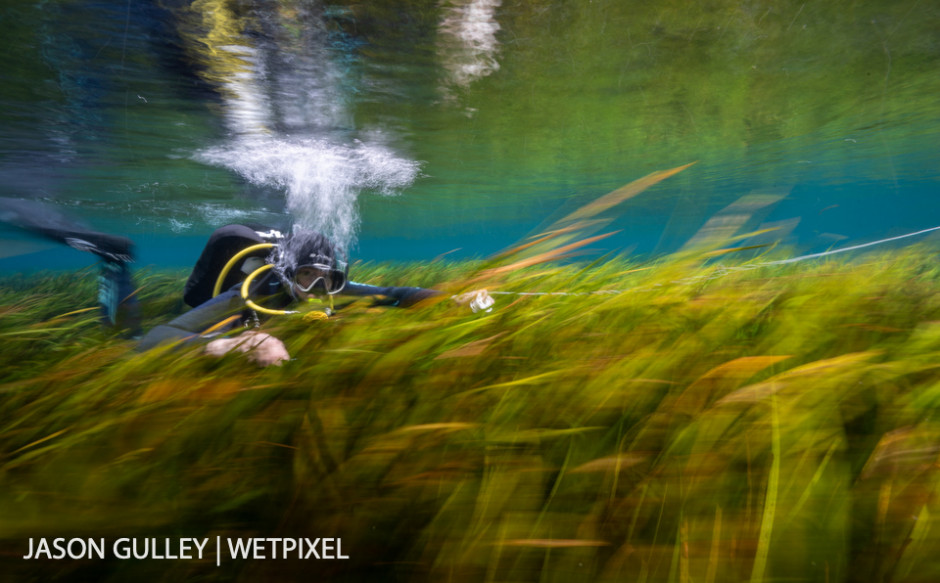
(268,291)
(230,303)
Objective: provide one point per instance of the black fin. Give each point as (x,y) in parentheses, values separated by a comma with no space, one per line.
(47,221)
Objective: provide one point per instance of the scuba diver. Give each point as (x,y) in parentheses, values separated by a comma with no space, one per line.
(240,264)
(253,261)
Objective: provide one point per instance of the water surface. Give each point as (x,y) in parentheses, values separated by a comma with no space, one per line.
(412,129)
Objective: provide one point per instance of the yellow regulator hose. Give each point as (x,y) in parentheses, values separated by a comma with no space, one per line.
(247,284)
(231,263)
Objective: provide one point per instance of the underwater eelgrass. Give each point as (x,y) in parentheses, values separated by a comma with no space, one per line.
(696,422)
(702,417)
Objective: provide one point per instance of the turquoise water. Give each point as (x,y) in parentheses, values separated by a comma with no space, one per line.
(408,130)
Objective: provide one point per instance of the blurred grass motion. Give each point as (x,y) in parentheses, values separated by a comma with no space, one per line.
(702,424)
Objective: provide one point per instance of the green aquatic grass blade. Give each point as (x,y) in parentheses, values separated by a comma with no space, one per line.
(770,500)
(714,552)
(622,194)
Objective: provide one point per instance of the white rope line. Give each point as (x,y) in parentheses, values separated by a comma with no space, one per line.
(853,248)
(589,293)
(727,270)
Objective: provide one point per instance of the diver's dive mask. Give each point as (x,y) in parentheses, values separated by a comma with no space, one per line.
(328,279)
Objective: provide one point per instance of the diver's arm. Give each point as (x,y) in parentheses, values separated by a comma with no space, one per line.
(393,296)
(196,321)
(261,348)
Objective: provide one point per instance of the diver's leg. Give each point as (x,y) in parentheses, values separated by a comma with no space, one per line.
(119,306)
(117,297)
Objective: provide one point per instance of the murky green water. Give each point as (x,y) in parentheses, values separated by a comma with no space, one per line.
(409,129)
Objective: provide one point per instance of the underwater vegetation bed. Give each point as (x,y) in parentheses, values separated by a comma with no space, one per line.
(698,421)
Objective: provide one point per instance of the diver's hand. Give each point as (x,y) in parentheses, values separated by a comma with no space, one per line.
(262,348)
(477,300)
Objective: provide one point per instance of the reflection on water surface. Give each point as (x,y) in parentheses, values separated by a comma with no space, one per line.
(408,129)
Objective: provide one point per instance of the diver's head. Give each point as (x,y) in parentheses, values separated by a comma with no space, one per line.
(307,263)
